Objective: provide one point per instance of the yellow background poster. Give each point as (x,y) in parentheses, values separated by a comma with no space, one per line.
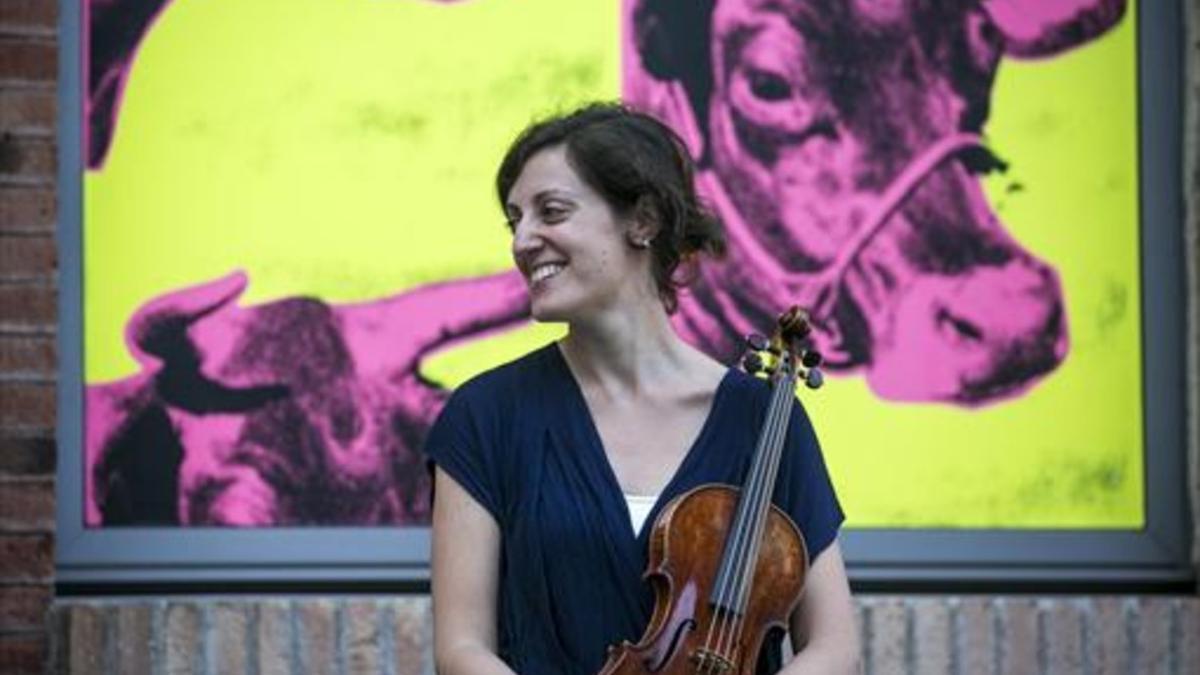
(345,150)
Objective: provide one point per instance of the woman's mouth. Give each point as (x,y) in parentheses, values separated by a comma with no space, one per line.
(544,271)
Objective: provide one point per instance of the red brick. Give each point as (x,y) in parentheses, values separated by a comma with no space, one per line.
(1064,637)
(318,636)
(274,638)
(230,648)
(27,504)
(27,455)
(24,607)
(23,654)
(932,636)
(183,638)
(28,111)
(887,644)
(25,257)
(27,157)
(976,636)
(362,637)
(1153,635)
(85,640)
(28,354)
(28,305)
(133,640)
(27,404)
(26,557)
(412,641)
(28,60)
(1189,632)
(1019,646)
(27,209)
(26,14)
(1107,646)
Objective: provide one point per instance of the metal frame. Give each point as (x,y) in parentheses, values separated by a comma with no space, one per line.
(360,557)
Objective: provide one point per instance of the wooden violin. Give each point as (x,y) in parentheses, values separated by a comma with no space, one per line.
(727,566)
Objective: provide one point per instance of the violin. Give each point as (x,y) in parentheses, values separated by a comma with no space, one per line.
(726,565)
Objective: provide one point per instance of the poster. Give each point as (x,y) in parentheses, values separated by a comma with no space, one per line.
(292,250)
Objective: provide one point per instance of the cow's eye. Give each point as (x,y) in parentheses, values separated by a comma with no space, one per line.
(768,86)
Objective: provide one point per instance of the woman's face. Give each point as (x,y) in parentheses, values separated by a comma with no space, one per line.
(568,243)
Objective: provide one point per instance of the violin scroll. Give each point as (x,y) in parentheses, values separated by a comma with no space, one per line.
(789,347)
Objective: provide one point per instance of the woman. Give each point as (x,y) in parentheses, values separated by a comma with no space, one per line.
(546,466)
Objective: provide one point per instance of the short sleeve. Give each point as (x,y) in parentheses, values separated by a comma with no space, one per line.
(808,493)
(463,443)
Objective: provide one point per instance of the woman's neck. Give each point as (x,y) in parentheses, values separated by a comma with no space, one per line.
(631,352)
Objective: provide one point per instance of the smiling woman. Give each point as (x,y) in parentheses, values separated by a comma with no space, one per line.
(610,164)
(535,565)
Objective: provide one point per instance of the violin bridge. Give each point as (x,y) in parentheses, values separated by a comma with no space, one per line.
(707,660)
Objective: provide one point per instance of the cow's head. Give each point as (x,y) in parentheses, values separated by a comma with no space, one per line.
(837,134)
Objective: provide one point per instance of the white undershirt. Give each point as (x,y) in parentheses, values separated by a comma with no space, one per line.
(639,509)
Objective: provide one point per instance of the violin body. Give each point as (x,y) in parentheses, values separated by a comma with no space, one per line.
(687,633)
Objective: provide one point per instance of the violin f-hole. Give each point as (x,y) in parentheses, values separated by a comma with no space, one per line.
(685,626)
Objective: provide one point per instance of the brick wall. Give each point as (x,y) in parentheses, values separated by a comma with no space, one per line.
(28,73)
(925,634)
(972,635)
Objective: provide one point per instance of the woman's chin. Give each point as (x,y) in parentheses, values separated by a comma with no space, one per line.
(546,310)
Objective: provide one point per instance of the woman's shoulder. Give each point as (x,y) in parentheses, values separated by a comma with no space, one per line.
(746,387)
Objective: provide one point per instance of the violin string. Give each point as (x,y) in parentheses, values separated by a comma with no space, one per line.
(785,390)
(724,591)
(746,545)
(773,471)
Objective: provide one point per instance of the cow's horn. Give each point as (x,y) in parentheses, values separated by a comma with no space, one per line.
(1043,28)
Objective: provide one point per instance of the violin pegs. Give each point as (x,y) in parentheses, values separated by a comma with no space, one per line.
(814,379)
(758,342)
(811,358)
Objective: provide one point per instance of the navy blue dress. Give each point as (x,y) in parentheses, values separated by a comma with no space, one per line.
(521,441)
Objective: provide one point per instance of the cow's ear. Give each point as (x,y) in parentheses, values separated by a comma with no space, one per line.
(1038,29)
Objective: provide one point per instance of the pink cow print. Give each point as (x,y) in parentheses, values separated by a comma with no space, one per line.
(839,140)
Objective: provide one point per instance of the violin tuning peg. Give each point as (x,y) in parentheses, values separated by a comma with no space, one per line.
(811,358)
(814,379)
(758,342)
(752,362)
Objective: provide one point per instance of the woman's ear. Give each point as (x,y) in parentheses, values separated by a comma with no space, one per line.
(645,223)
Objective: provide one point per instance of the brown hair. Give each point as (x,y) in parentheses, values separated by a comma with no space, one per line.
(640,167)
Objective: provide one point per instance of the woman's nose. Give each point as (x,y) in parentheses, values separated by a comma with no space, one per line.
(525,240)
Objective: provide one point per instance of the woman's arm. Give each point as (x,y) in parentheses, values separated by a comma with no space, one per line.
(466,563)
(824,635)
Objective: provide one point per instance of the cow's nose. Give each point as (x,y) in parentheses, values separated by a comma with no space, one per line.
(986,333)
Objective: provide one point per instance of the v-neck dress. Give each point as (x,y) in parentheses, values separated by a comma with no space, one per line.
(521,441)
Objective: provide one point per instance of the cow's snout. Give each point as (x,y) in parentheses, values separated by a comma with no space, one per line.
(988,332)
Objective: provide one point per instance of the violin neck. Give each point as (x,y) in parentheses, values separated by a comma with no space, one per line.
(745,535)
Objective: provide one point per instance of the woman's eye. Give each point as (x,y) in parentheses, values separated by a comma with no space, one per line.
(553,214)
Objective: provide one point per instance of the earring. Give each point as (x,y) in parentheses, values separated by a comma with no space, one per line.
(639,242)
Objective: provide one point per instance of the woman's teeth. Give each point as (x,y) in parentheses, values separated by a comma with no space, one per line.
(543,272)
